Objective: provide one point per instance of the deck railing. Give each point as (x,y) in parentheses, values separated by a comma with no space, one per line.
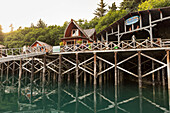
(125,44)
(19,51)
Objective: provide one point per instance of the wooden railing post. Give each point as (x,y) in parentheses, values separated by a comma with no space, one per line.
(77,73)
(95,74)
(115,68)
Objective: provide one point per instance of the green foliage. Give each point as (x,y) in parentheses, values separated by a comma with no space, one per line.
(91,24)
(28,35)
(1,35)
(109,19)
(79,42)
(149,4)
(100,11)
(130,5)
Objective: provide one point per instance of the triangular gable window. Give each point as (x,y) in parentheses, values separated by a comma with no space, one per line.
(75,32)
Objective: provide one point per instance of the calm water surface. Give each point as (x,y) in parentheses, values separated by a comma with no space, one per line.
(85,98)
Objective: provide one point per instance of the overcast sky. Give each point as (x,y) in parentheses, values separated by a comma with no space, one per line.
(24,12)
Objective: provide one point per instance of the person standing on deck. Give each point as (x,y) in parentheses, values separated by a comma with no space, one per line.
(24,49)
(37,47)
(133,40)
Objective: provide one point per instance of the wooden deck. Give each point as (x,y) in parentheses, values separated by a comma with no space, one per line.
(113,46)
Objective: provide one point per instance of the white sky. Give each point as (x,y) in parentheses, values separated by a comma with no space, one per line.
(52,12)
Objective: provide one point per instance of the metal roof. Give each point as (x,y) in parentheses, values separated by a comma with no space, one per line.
(90,32)
(144,13)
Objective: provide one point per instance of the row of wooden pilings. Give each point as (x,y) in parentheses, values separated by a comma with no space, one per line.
(116,75)
(115,69)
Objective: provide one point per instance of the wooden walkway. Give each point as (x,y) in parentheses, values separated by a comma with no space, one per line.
(12,54)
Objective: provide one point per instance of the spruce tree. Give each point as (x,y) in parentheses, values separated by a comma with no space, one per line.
(113,7)
(100,11)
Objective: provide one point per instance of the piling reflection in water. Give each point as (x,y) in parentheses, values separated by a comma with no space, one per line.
(70,97)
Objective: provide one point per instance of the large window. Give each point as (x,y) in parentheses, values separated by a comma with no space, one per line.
(75,32)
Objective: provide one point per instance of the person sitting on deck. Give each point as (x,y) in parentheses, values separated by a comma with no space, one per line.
(28,49)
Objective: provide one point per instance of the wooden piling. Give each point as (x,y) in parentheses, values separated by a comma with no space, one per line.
(116,103)
(49,76)
(153,75)
(60,60)
(159,77)
(26,74)
(104,66)
(32,70)
(95,74)
(140,100)
(163,77)
(54,78)
(19,78)
(68,76)
(118,76)
(168,70)
(13,71)
(44,70)
(7,75)
(139,70)
(115,68)
(77,73)
(85,76)
(95,100)
(100,70)
(2,70)
(59,96)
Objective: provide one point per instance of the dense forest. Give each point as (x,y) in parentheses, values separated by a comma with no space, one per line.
(103,16)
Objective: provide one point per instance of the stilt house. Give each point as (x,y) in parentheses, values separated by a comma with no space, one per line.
(74,33)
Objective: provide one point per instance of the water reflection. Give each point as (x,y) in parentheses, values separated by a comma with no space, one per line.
(70,97)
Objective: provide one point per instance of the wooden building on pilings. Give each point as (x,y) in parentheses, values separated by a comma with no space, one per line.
(74,33)
(151,24)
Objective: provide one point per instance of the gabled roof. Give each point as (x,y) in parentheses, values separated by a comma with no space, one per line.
(42,43)
(90,32)
(72,21)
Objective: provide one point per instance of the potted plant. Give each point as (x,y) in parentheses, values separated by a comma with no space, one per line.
(79,42)
(61,44)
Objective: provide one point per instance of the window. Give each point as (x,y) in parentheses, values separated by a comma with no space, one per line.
(69,42)
(85,41)
(75,32)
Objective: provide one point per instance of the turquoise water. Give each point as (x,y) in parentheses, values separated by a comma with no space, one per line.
(85,98)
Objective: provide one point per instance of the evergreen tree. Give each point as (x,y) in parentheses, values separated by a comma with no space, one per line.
(113,7)
(41,24)
(100,11)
